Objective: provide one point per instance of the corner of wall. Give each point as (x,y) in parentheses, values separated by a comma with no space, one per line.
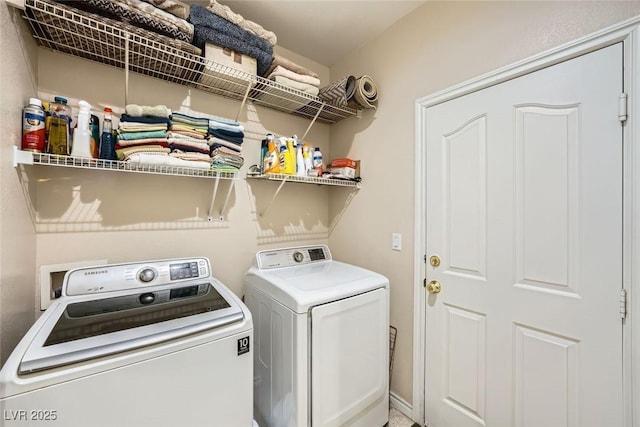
(17,234)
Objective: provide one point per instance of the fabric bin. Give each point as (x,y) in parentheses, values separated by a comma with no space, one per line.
(227,71)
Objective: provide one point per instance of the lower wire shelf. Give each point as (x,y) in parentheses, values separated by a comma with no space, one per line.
(305,179)
(33,158)
(21,157)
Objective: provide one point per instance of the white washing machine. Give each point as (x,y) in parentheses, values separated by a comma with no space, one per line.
(158,343)
(321,340)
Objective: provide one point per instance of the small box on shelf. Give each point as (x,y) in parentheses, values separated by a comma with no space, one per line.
(345,167)
(227,70)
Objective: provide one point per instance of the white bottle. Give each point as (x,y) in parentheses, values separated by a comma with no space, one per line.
(82,134)
(317,161)
(306,156)
(301,169)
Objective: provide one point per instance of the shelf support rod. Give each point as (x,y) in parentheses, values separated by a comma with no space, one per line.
(264,211)
(213,198)
(226,199)
(244,101)
(312,122)
(126,69)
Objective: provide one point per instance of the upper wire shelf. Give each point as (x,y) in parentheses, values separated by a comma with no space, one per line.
(68,30)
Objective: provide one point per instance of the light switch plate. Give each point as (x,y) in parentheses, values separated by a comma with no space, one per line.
(396,241)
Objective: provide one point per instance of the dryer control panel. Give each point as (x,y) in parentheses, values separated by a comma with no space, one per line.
(289,257)
(116,277)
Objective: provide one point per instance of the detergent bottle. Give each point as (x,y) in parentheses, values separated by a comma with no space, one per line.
(285,156)
(318,163)
(271,159)
(291,150)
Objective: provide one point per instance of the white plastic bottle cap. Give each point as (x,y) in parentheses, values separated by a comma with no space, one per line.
(35,101)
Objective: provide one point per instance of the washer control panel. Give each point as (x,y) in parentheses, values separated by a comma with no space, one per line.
(116,277)
(289,257)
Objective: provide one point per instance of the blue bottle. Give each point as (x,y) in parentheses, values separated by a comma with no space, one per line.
(107,146)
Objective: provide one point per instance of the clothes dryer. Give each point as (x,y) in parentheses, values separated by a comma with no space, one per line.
(322,340)
(157,343)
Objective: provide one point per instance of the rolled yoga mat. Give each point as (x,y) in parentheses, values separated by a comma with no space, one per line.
(340,92)
(355,93)
(366,93)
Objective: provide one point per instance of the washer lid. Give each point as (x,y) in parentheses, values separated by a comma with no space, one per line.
(302,287)
(85,327)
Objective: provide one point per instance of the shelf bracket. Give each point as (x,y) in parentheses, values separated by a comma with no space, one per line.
(18,4)
(21,157)
(266,208)
(126,69)
(213,198)
(244,100)
(312,122)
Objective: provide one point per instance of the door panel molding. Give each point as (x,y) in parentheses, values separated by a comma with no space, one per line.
(628,33)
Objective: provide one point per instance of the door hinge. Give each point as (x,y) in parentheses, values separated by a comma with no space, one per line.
(424,282)
(623,303)
(622,107)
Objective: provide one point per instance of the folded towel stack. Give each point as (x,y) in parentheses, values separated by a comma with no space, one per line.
(140,13)
(250,26)
(225,140)
(187,137)
(143,129)
(174,7)
(211,27)
(290,74)
(159,137)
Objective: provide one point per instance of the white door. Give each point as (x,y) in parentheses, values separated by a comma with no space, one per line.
(524,210)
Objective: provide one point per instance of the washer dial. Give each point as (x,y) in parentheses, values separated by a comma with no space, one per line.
(298,257)
(147,274)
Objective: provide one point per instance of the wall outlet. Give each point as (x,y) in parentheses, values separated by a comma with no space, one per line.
(396,241)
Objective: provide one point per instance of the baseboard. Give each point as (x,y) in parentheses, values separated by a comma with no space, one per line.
(401,405)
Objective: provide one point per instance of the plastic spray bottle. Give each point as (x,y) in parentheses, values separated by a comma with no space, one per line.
(306,156)
(107,147)
(291,150)
(82,133)
(301,170)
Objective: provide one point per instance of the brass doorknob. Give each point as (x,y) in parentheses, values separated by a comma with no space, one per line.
(434,287)
(434,260)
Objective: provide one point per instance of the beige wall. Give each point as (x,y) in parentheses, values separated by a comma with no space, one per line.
(435,47)
(17,237)
(85,215)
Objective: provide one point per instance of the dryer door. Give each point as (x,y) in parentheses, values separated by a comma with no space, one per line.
(349,360)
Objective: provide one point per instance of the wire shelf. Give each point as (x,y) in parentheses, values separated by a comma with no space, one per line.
(32,158)
(97,38)
(305,180)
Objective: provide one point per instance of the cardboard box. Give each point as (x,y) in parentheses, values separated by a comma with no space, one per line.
(227,70)
(350,170)
(343,163)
